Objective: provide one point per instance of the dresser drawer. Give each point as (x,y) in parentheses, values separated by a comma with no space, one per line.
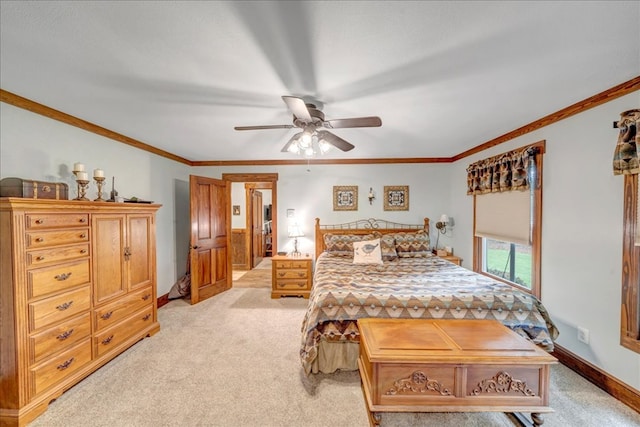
(111,314)
(60,337)
(59,367)
(58,307)
(291,274)
(292,284)
(111,338)
(45,239)
(46,280)
(40,221)
(291,264)
(48,256)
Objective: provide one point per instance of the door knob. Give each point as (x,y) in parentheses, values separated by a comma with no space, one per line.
(195,247)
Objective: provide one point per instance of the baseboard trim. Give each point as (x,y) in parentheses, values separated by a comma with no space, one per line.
(616,388)
(163,300)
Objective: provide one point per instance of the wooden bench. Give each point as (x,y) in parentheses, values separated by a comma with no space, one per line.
(420,365)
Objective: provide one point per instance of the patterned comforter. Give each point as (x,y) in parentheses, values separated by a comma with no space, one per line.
(411,288)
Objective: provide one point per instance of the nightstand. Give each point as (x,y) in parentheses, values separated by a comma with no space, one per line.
(291,276)
(454,259)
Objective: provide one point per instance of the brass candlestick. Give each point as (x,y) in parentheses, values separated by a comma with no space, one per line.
(82,189)
(99,182)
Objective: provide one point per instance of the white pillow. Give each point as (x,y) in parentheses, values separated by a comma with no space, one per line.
(367,252)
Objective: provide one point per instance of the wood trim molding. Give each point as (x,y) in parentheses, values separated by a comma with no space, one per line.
(593,101)
(43,110)
(163,300)
(616,388)
(630,309)
(586,104)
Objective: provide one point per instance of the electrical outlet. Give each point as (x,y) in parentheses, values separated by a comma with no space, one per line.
(583,335)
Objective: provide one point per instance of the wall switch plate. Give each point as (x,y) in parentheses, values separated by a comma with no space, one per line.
(583,335)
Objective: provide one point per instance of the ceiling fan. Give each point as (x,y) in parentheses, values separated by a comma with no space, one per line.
(310,119)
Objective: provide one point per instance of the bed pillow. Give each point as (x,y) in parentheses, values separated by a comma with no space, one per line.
(367,252)
(412,244)
(388,247)
(342,244)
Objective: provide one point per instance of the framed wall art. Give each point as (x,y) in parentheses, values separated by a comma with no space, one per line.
(236,209)
(345,197)
(396,197)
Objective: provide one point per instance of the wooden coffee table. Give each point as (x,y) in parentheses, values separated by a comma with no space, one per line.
(426,365)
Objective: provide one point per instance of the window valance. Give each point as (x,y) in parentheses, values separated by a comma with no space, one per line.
(504,172)
(626,159)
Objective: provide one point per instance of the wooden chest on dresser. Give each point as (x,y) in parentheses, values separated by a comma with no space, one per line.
(291,276)
(77,287)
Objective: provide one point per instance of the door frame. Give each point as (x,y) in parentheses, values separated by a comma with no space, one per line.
(270,181)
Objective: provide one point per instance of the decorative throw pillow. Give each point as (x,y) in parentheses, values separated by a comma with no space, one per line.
(412,245)
(388,247)
(342,244)
(367,252)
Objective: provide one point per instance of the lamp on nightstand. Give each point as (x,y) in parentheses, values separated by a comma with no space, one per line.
(295,231)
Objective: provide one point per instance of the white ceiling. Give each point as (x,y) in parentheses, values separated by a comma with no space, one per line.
(443,76)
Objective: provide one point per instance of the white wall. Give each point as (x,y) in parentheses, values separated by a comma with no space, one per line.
(309,190)
(581,232)
(582,208)
(36,147)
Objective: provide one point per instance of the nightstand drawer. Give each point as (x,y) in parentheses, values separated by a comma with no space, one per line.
(291,274)
(292,284)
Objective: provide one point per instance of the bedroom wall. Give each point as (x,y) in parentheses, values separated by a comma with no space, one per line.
(581,232)
(36,147)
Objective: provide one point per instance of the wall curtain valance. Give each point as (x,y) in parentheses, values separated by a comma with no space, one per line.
(626,159)
(504,172)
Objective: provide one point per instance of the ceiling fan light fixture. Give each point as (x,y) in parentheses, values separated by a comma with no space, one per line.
(324,146)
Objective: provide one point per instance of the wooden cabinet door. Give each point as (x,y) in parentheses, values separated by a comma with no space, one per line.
(139,251)
(109,237)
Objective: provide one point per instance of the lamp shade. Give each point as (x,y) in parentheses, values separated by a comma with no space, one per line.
(444,218)
(295,231)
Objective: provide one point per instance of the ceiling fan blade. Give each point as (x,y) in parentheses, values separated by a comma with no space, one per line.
(263,127)
(356,122)
(285,149)
(298,107)
(335,140)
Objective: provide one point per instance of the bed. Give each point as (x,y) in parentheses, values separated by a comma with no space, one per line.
(409,282)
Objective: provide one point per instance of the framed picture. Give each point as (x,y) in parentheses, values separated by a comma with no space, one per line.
(345,197)
(396,197)
(236,209)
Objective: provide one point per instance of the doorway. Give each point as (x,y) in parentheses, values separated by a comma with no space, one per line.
(255,225)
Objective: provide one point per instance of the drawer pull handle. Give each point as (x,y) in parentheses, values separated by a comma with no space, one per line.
(107,340)
(64,306)
(302,274)
(65,365)
(127,253)
(146,297)
(63,336)
(281,274)
(63,276)
(39,258)
(146,317)
(39,239)
(107,316)
(83,235)
(83,220)
(83,251)
(39,221)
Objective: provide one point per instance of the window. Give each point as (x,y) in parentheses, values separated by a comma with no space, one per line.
(507,223)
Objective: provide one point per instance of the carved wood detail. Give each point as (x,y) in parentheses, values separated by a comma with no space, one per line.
(417,382)
(503,382)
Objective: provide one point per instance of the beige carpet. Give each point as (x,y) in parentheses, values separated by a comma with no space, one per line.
(233,360)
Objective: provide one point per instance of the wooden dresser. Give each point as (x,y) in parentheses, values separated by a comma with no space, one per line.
(291,276)
(77,287)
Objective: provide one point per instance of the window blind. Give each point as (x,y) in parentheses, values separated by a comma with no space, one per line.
(504,216)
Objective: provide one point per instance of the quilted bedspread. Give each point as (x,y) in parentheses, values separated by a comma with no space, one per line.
(411,288)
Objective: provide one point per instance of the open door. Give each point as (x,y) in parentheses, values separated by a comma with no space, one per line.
(210,207)
(257,232)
